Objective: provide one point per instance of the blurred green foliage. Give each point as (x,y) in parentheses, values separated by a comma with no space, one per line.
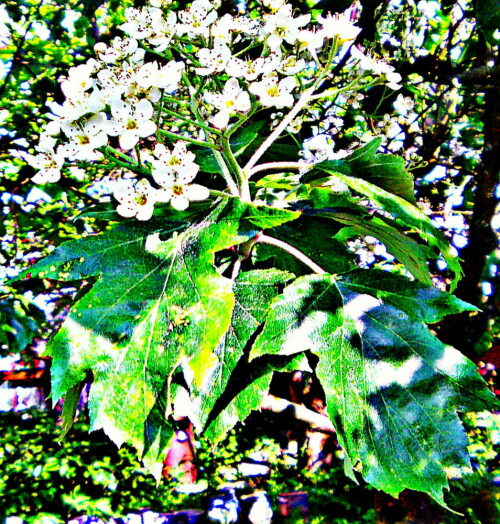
(41,476)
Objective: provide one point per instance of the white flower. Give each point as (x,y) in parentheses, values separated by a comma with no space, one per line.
(179,194)
(136,199)
(79,80)
(178,163)
(74,108)
(282,26)
(197,20)
(338,26)
(120,49)
(223,28)
(311,40)
(292,65)
(213,60)
(251,69)
(48,161)
(164,29)
(131,123)
(233,100)
(174,171)
(273,92)
(85,137)
(166,77)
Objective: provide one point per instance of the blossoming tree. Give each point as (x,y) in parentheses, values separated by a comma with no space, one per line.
(227,253)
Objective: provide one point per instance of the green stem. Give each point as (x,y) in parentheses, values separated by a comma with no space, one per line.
(190,121)
(187,139)
(233,188)
(296,109)
(276,165)
(264,239)
(241,178)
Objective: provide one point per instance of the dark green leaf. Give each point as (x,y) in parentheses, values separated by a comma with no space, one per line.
(424,303)
(393,389)
(407,216)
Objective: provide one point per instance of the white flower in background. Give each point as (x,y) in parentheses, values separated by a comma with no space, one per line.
(197,20)
(233,100)
(131,122)
(251,69)
(213,60)
(174,171)
(338,26)
(273,92)
(137,199)
(80,79)
(48,161)
(85,137)
(282,26)
(318,148)
(377,67)
(274,5)
(120,49)
(403,104)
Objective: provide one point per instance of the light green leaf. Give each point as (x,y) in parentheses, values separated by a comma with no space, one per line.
(158,306)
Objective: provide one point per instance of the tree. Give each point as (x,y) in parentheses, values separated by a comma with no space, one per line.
(260,222)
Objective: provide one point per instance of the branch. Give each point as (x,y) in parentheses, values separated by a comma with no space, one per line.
(299,412)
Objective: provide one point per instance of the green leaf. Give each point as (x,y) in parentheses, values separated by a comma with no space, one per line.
(410,253)
(406,215)
(383,170)
(367,152)
(393,389)
(245,136)
(253,291)
(309,305)
(313,236)
(158,306)
(425,303)
(488,18)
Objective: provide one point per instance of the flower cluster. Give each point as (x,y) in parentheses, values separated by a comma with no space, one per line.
(210,73)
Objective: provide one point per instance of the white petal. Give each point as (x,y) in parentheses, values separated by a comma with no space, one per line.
(147,128)
(145,212)
(126,210)
(221,119)
(196,192)
(144,109)
(179,202)
(129,139)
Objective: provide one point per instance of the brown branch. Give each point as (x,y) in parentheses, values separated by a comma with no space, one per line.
(299,412)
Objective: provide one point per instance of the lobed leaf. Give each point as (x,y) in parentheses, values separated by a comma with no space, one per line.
(393,389)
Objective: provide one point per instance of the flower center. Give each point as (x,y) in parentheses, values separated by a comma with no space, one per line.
(177,190)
